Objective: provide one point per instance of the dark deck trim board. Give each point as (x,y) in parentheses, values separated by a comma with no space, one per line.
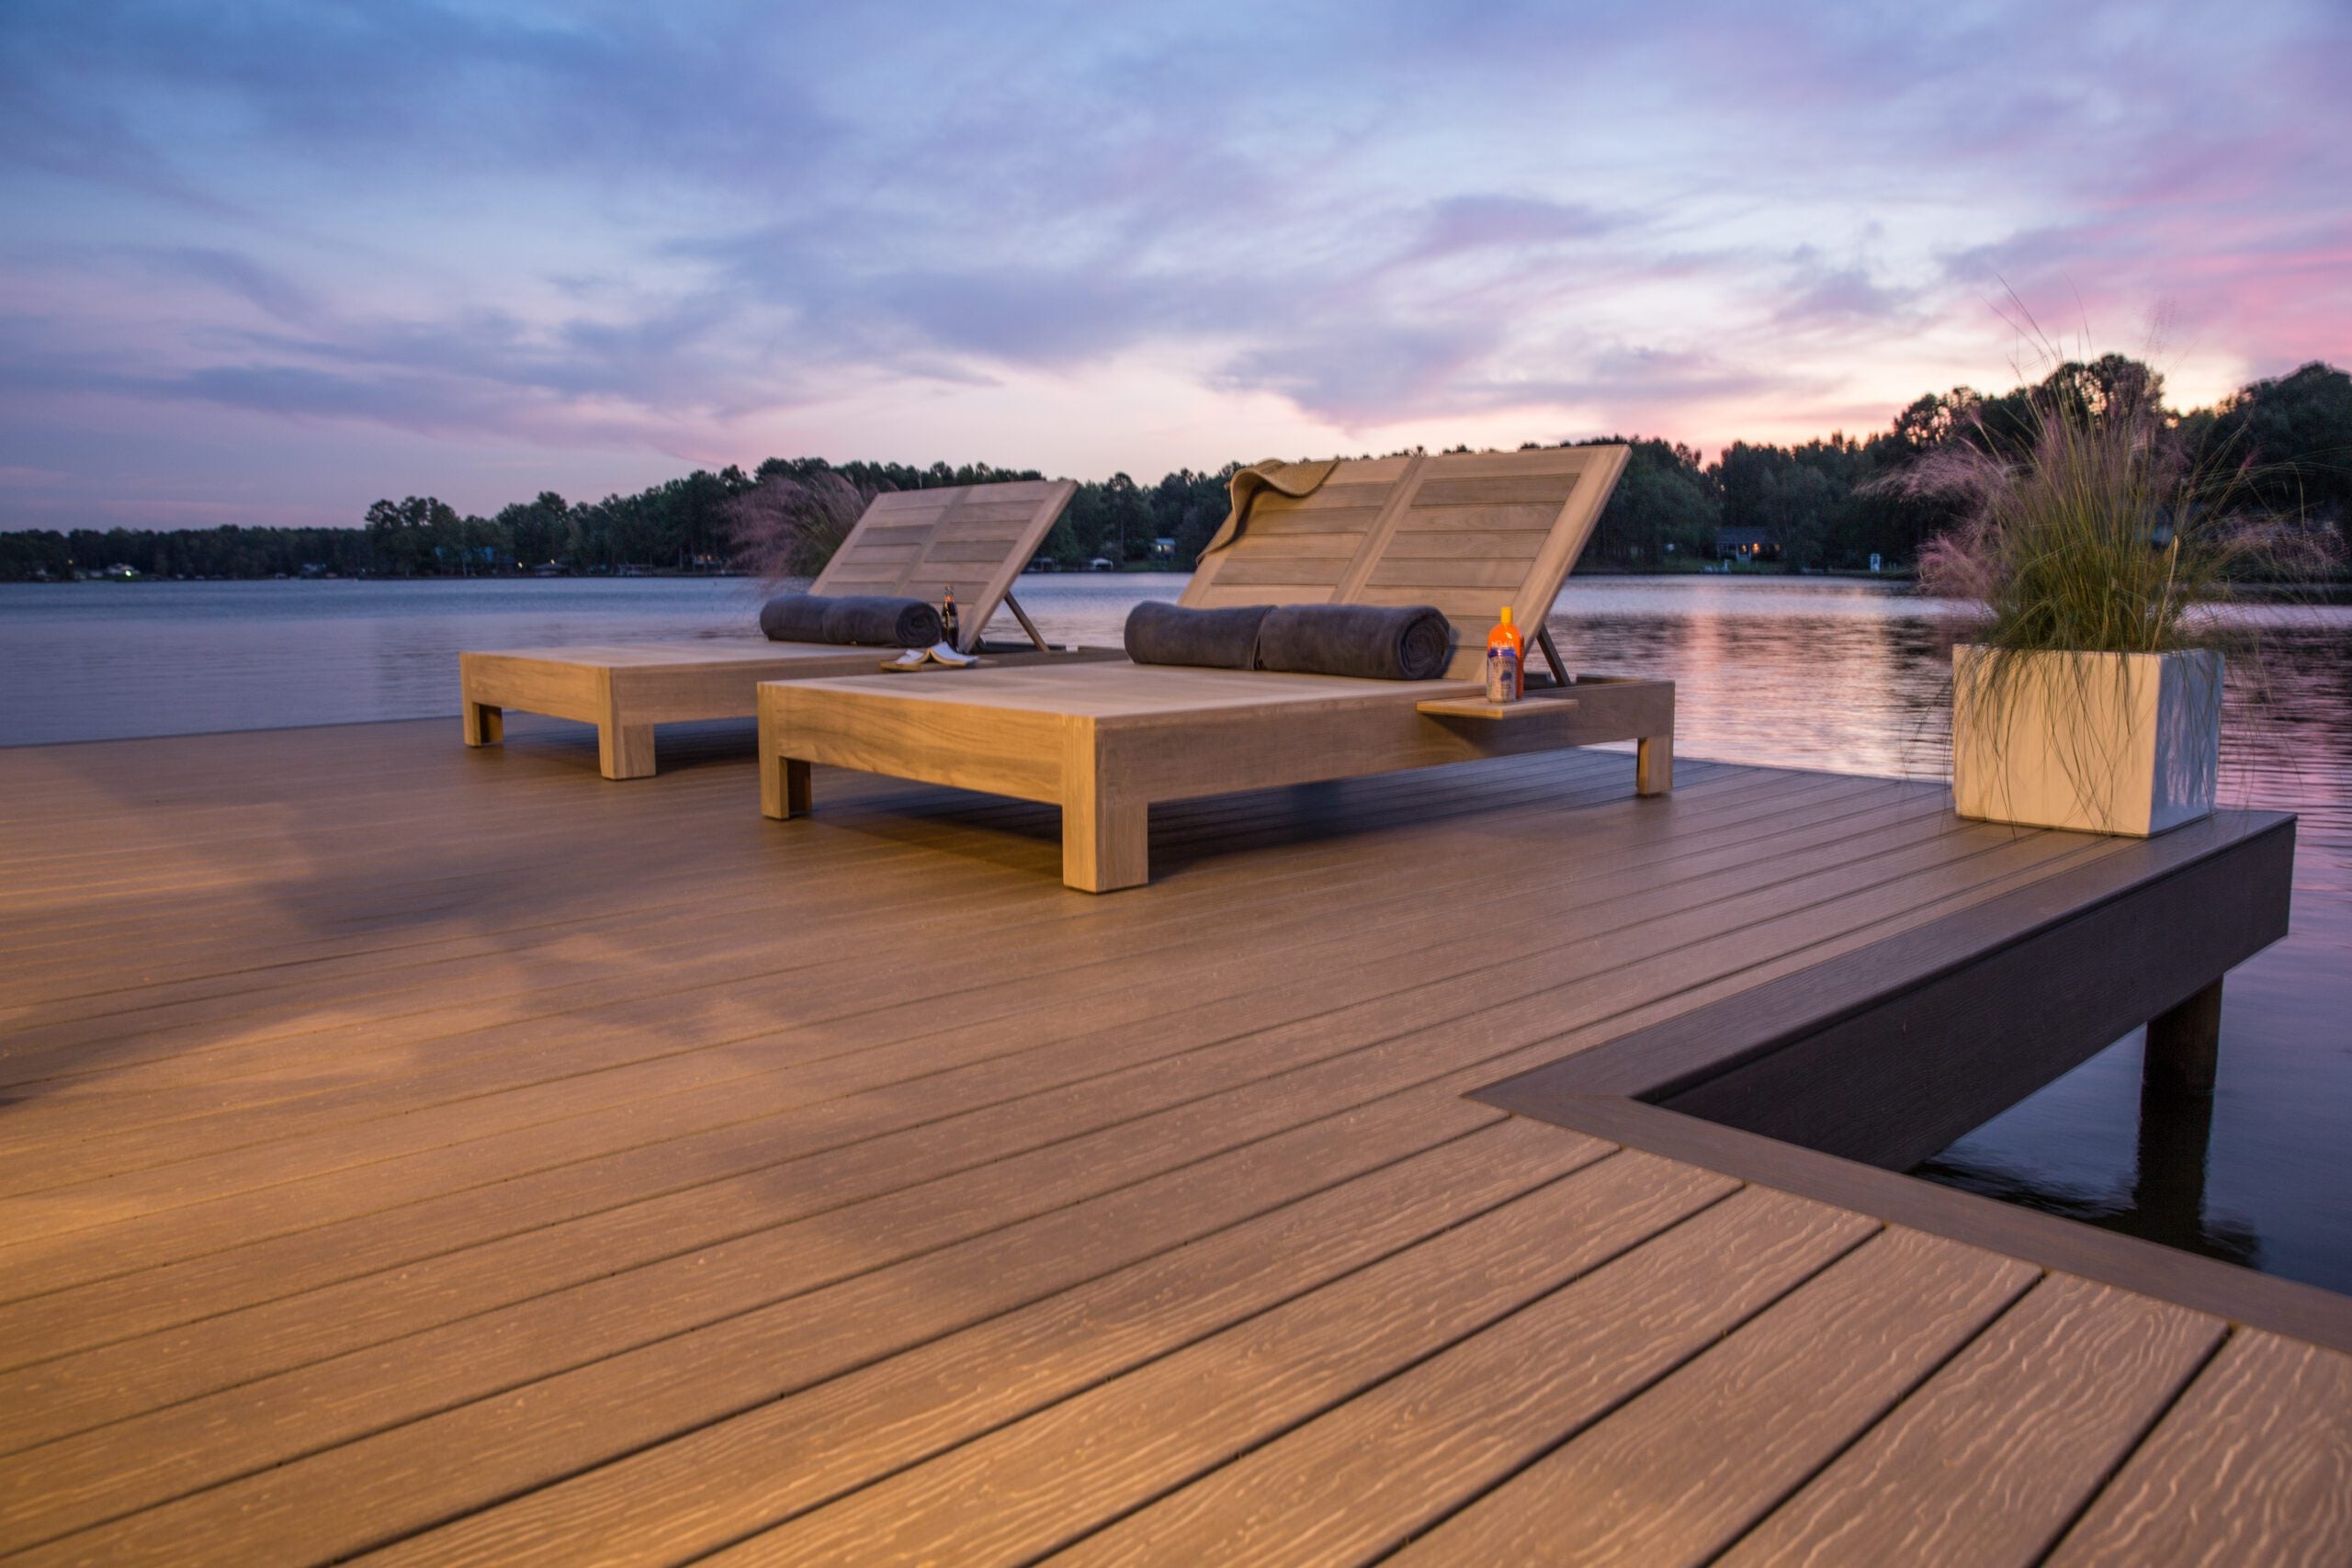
(2204,1284)
(1831,1081)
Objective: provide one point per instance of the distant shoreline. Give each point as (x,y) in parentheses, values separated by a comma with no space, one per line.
(2337,584)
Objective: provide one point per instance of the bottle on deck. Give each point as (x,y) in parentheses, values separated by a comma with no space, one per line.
(950,627)
(1506,661)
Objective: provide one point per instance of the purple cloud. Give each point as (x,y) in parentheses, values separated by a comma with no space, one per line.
(597,240)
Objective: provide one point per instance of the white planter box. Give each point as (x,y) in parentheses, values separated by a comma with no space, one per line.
(2101,742)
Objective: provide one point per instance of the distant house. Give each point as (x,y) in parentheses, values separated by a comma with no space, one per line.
(1747,545)
(1043,563)
(1101,563)
(1163,549)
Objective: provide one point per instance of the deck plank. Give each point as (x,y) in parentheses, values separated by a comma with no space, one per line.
(436,1150)
(1377,1469)
(861,1171)
(753,1045)
(1678,1473)
(155,1123)
(1992,1459)
(2254,1464)
(1605,972)
(1090,1458)
(728,1480)
(254,1473)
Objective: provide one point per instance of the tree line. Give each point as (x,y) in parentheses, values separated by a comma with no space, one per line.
(1824,503)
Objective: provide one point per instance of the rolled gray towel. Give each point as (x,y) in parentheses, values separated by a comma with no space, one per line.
(1412,642)
(857,620)
(1159,632)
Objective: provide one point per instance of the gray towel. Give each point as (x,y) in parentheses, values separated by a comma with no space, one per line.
(1169,634)
(1412,642)
(858,620)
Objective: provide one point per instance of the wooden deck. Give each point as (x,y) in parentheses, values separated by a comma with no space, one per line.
(437,1154)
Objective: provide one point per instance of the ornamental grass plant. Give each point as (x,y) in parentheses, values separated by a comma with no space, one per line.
(2101,535)
(2088,528)
(787,527)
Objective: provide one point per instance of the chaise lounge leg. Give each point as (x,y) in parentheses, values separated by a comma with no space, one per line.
(1106,843)
(785,789)
(625,750)
(1653,764)
(485,725)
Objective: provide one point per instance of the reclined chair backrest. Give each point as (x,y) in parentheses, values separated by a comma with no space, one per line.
(972,539)
(1467,532)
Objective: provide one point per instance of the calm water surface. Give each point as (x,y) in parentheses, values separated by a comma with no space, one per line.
(1840,675)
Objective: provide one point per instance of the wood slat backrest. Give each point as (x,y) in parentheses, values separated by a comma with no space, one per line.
(972,539)
(1467,532)
(1300,551)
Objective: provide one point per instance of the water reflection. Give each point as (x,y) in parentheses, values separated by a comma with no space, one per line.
(1843,675)
(2166,1200)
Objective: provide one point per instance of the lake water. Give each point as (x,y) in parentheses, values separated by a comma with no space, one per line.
(1846,676)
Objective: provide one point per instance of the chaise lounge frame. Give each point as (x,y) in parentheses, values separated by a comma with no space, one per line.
(1465,532)
(972,539)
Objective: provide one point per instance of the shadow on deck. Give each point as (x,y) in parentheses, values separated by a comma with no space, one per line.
(454,1155)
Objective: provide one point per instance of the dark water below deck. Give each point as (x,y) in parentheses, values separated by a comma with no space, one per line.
(1846,676)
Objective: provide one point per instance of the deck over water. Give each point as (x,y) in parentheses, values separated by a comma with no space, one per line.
(455,1155)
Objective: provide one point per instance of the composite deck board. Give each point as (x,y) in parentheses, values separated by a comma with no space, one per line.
(1090,1458)
(1344,972)
(1378,916)
(1874,883)
(979,1079)
(494,969)
(436,1152)
(217,1064)
(814,882)
(762,1258)
(1371,1472)
(1678,1473)
(2252,1464)
(648,1230)
(752,1472)
(1240,1069)
(1986,1462)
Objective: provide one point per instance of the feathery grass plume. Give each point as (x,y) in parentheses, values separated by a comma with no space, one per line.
(2087,526)
(787,527)
(2095,530)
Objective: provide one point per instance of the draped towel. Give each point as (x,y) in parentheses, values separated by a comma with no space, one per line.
(1296,480)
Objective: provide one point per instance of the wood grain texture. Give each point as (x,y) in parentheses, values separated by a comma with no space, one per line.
(1089,1458)
(727,1481)
(1682,1472)
(972,540)
(545,1173)
(1107,742)
(1150,1019)
(1482,530)
(1247,1006)
(2254,1464)
(1377,1469)
(156,1128)
(1989,1461)
(117,1500)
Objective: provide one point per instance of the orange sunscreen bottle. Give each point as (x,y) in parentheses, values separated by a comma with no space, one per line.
(1505,658)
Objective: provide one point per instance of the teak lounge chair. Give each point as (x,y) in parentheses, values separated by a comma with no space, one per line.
(972,539)
(1466,533)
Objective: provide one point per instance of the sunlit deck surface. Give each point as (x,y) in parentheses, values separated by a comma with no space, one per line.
(454,1155)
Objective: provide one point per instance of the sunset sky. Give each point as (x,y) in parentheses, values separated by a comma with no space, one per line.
(266,262)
